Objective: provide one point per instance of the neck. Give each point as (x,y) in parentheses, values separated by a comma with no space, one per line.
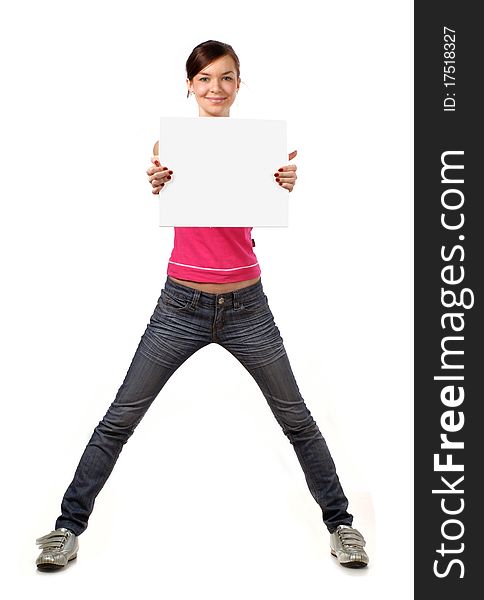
(204,115)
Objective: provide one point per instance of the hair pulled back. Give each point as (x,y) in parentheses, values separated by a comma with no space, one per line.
(205,53)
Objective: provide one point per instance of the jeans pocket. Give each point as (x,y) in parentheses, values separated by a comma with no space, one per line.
(174,302)
(254,305)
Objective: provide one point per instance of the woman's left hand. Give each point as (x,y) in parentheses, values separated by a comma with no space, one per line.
(286,175)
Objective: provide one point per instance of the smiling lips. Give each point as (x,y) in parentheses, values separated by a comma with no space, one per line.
(216,100)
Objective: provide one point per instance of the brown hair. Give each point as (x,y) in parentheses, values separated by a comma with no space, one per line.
(205,53)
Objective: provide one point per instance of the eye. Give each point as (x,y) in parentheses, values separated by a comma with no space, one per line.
(225,77)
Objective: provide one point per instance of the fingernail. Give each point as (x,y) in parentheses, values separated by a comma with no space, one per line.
(169,177)
(276,174)
(170,172)
(280,183)
(157,163)
(277,179)
(280,169)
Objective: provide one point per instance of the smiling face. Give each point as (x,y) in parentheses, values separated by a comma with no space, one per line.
(215,87)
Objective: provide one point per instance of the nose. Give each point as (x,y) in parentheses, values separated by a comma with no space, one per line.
(215,86)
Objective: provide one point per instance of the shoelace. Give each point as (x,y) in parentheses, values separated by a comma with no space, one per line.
(351,538)
(53,540)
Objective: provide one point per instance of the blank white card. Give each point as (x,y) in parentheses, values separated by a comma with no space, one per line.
(223,172)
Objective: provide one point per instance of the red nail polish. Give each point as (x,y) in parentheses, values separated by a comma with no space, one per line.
(169,177)
(280,169)
(276,174)
(277,179)
(170,172)
(280,183)
(157,163)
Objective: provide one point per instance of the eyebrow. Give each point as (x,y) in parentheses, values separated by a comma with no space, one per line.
(226,73)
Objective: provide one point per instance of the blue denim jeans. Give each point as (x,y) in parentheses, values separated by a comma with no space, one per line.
(185,320)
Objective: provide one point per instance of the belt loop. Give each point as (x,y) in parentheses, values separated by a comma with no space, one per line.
(235,299)
(195,297)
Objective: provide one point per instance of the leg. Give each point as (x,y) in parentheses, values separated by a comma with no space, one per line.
(277,383)
(167,342)
(252,336)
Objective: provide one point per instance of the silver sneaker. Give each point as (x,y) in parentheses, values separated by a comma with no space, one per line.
(347,545)
(58,548)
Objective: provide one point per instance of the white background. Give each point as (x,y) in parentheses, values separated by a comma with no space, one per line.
(207,498)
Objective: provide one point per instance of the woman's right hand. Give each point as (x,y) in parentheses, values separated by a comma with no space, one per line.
(158,175)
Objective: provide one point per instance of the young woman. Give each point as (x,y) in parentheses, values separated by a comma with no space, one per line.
(212,294)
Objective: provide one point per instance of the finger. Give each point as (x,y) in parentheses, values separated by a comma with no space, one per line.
(292,154)
(286,176)
(160,178)
(160,175)
(286,185)
(286,168)
(155,169)
(157,185)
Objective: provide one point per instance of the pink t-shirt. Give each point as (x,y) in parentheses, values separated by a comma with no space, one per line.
(213,254)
